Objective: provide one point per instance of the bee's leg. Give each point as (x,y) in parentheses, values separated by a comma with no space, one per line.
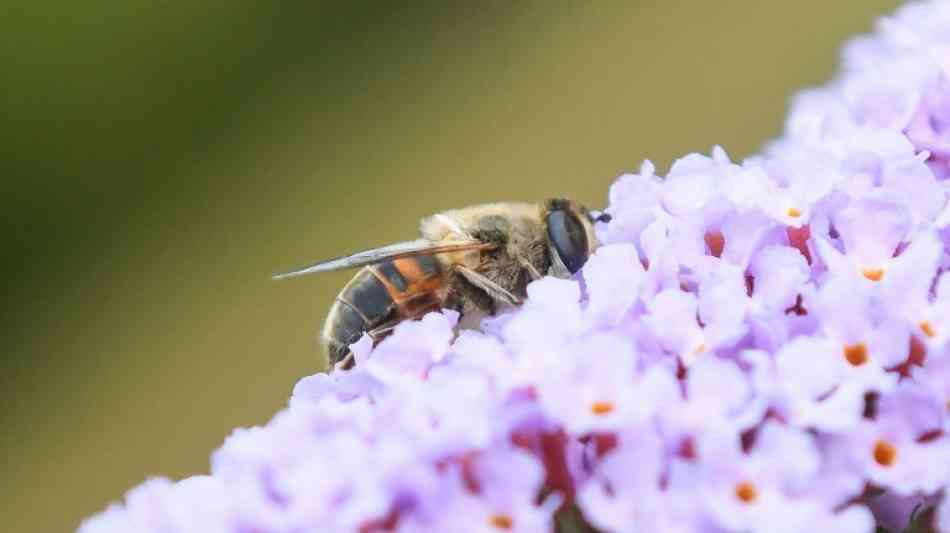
(472,303)
(529,268)
(382,332)
(377,334)
(346,363)
(492,289)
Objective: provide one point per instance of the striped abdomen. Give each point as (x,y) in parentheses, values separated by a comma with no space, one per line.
(379,297)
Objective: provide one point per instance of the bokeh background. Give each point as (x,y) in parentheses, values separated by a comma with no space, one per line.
(161,159)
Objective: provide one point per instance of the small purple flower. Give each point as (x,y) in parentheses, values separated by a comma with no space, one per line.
(810,386)
(613,276)
(672,320)
(200,503)
(867,343)
(492,491)
(929,125)
(718,397)
(899,448)
(625,493)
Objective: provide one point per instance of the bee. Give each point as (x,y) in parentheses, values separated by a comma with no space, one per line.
(476,260)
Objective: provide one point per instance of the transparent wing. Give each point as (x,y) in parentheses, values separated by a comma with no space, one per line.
(388,253)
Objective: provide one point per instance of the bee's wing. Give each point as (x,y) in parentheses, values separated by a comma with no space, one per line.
(388,253)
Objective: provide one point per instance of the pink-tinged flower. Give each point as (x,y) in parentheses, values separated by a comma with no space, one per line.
(899,448)
(429,414)
(880,101)
(868,341)
(600,389)
(413,347)
(839,481)
(550,318)
(785,193)
(200,503)
(669,245)
(492,491)
(613,276)
(344,385)
(115,518)
(257,453)
(486,353)
(718,397)
(853,519)
(810,386)
(870,232)
(693,185)
(779,274)
(467,513)
(723,305)
(765,489)
(902,179)
(634,203)
(745,234)
(929,127)
(625,495)
(672,320)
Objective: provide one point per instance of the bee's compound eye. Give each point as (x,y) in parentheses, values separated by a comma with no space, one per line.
(568,238)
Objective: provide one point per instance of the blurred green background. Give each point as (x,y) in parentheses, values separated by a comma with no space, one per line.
(161,159)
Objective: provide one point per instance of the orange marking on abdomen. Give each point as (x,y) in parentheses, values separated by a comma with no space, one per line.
(416,278)
(424,290)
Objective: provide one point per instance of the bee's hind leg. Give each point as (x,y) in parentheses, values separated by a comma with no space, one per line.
(495,291)
(377,334)
(529,268)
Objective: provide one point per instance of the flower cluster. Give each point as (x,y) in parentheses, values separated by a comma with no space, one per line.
(756,346)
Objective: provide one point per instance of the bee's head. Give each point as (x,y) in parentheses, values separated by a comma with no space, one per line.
(569,229)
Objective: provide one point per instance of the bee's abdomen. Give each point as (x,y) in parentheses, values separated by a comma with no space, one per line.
(378,296)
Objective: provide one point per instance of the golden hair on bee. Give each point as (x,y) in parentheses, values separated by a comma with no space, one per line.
(476,260)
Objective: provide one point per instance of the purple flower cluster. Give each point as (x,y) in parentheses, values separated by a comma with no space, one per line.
(757,346)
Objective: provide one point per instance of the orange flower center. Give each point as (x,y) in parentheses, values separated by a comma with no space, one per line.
(715,241)
(873,274)
(856,354)
(793,212)
(746,492)
(928,329)
(601,408)
(885,454)
(501,521)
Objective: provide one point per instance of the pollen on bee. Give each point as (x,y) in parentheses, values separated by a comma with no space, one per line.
(501,521)
(885,453)
(873,273)
(746,492)
(856,354)
(928,329)
(793,212)
(601,408)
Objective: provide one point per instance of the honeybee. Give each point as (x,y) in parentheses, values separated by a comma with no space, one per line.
(476,260)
